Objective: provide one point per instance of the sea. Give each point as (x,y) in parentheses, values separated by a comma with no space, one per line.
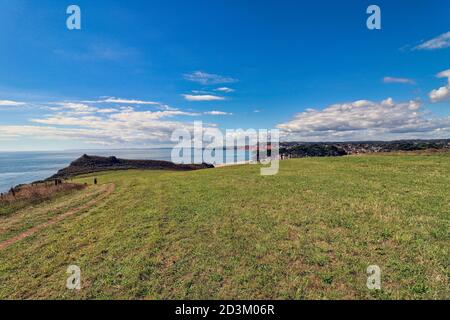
(26,167)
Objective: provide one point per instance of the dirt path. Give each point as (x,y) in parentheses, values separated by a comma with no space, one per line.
(108,190)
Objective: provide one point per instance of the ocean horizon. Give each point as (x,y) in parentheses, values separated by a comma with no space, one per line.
(22,167)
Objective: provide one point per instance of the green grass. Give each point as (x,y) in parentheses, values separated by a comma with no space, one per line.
(228,233)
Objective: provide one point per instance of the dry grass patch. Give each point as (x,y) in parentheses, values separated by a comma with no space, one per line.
(32,194)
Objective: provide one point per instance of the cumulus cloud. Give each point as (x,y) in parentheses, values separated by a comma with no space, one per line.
(10,103)
(208,78)
(442,93)
(124,127)
(204,97)
(398,80)
(440,42)
(366,120)
(93,123)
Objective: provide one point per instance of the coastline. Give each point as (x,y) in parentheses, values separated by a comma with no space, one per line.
(23,167)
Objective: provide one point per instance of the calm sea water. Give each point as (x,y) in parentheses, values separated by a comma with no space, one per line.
(26,167)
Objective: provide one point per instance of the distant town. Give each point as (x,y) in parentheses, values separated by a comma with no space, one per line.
(334,149)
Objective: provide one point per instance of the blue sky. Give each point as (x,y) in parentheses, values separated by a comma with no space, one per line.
(137,70)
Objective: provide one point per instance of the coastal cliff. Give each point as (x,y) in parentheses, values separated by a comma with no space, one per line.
(90,164)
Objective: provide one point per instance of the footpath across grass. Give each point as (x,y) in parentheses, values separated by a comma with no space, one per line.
(309,232)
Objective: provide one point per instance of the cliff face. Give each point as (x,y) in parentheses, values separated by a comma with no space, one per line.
(89,164)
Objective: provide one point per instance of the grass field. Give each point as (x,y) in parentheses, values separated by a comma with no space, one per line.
(228,233)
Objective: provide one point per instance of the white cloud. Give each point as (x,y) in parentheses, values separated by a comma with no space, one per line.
(200,92)
(398,80)
(126,115)
(149,115)
(217,113)
(84,108)
(442,93)
(440,42)
(366,120)
(10,103)
(224,89)
(107,110)
(74,108)
(124,101)
(42,132)
(205,97)
(208,78)
(91,124)
(127,127)
(61,120)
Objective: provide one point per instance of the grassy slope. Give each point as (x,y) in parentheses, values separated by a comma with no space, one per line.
(309,232)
